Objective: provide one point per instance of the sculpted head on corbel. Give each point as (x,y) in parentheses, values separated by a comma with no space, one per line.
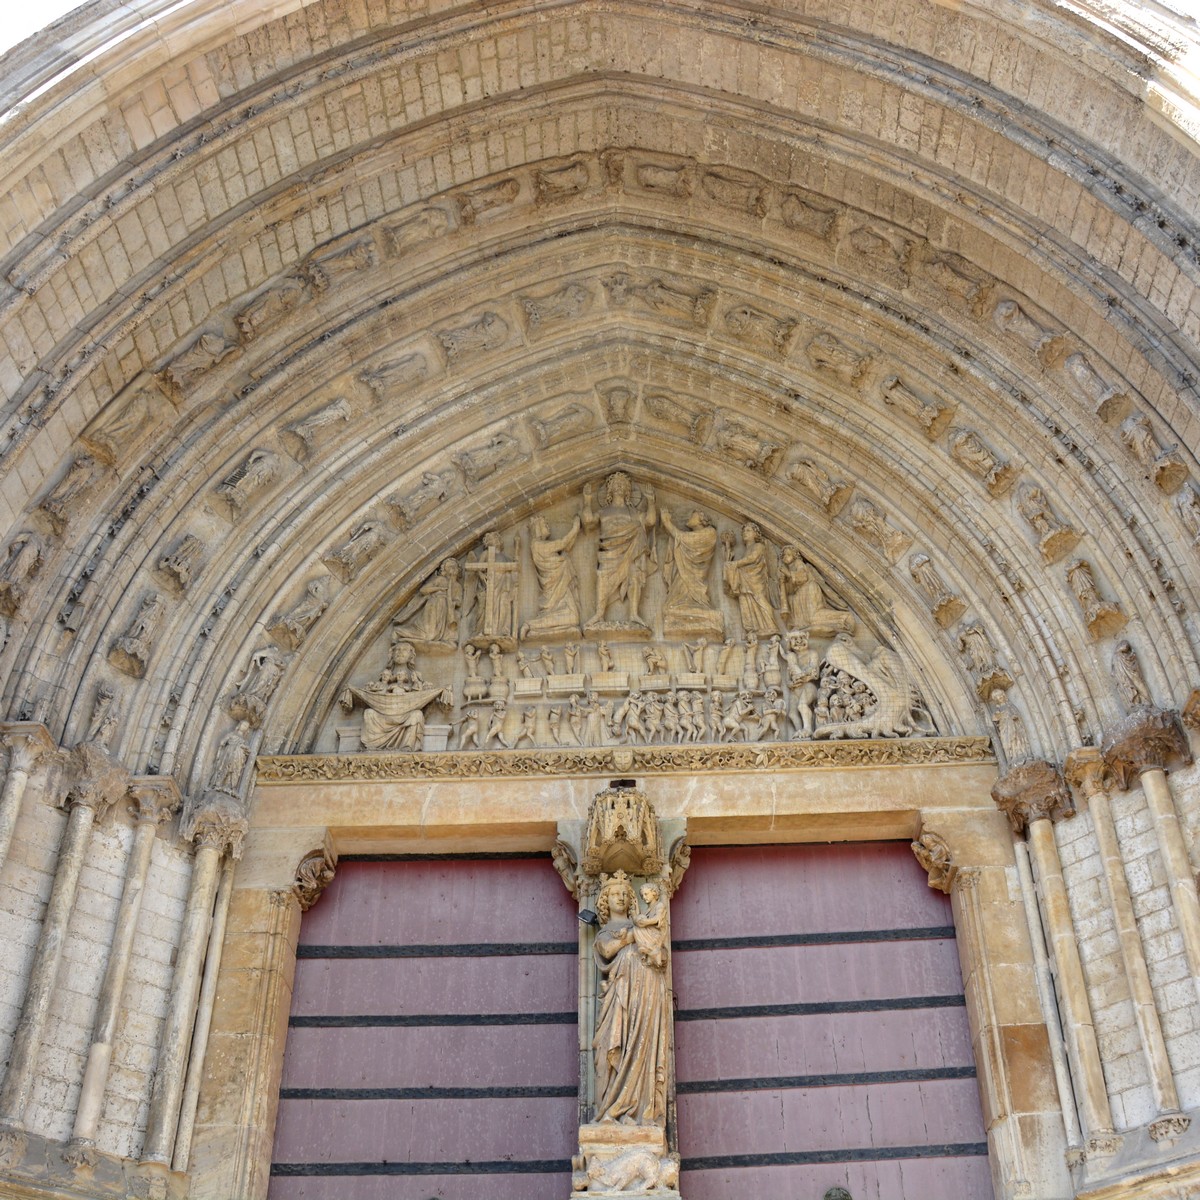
(314,874)
(933,853)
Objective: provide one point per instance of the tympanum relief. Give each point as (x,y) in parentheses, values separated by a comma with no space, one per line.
(618,617)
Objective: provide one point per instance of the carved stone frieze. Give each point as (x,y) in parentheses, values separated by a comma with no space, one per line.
(1103,617)
(958,277)
(561,181)
(1147,739)
(396,375)
(254,474)
(604,760)
(132,650)
(488,200)
(1162,464)
(302,437)
(930,416)
(1055,537)
(486,332)
(933,853)
(1032,791)
(971,452)
(831,494)
(944,604)
(329,264)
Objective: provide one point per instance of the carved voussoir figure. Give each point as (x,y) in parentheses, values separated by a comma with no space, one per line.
(929,416)
(969,450)
(1102,617)
(944,604)
(1127,675)
(269,309)
(304,435)
(62,498)
(292,627)
(122,423)
(364,543)
(229,762)
(831,494)
(827,353)
(868,519)
(179,564)
(256,472)
(1161,463)
(502,449)
(131,651)
(1108,402)
(253,691)
(1055,538)
(434,487)
(396,374)
(567,422)
(183,372)
(23,559)
(749,448)
(487,332)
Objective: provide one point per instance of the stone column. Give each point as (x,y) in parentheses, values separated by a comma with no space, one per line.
(1143,746)
(1086,771)
(154,799)
(1032,794)
(218,829)
(26,742)
(96,783)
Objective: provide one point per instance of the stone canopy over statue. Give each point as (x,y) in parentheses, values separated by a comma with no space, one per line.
(617,616)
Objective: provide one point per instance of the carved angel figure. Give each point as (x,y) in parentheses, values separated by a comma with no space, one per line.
(632,1038)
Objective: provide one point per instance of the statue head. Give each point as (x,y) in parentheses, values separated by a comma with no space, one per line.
(618,489)
(798,639)
(751,532)
(492,538)
(616,892)
(541,528)
(450,568)
(697,520)
(651,893)
(402,654)
(789,554)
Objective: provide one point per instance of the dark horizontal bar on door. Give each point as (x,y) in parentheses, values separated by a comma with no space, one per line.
(478,856)
(692,1087)
(920,934)
(792,1158)
(550,1091)
(416,1020)
(494,1167)
(771,1083)
(503,949)
(449,950)
(818,1007)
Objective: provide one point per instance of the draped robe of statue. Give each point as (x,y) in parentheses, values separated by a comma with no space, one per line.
(394,706)
(558,585)
(632,1041)
(431,617)
(688,608)
(747,579)
(626,555)
(806,606)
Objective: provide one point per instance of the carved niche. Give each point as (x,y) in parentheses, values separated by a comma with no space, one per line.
(616,617)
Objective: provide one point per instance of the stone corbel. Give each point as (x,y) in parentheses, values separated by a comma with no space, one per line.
(314,874)
(1148,739)
(933,853)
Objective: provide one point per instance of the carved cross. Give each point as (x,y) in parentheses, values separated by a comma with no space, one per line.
(499,592)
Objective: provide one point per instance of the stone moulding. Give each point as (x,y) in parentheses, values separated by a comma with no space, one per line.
(603,760)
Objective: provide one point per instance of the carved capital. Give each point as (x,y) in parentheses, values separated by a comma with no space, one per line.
(1148,739)
(933,854)
(314,875)
(1191,710)
(1086,770)
(1032,791)
(1167,1128)
(219,823)
(153,798)
(95,779)
(26,742)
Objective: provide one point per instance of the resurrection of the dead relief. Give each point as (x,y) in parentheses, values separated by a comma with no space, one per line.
(622,619)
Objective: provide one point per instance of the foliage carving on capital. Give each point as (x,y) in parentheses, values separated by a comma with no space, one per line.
(94,779)
(1148,739)
(1032,791)
(153,799)
(27,743)
(219,824)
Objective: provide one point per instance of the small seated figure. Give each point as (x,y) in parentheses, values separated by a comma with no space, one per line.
(650,929)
